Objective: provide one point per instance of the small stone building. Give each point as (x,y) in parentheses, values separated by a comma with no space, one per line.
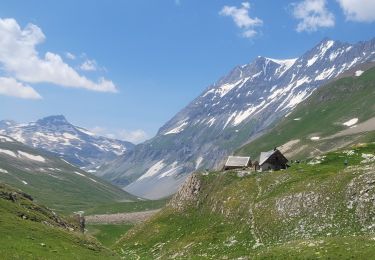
(237,162)
(272,160)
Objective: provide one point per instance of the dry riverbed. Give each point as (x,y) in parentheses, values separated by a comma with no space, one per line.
(133,217)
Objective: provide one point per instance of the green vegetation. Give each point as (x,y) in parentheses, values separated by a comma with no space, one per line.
(317,208)
(30,231)
(108,234)
(121,207)
(322,115)
(54,183)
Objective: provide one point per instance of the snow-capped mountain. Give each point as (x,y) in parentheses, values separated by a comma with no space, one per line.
(74,144)
(237,108)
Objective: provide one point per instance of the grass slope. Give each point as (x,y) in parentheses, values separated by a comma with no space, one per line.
(54,182)
(31,231)
(319,208)
(108,234)
(322,115)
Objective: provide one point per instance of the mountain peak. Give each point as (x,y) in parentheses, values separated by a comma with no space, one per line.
(55,119)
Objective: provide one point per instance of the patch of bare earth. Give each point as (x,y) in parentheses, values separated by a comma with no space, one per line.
(133,217)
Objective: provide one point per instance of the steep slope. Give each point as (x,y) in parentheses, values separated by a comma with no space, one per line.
(52,181)
(75,144)
(336,115)
(318,209)
(228,114)
(32,231)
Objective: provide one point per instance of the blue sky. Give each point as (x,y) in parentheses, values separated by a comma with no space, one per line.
(123,68)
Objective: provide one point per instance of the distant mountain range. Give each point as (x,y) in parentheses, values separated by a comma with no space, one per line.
(53,181)
(74,144)
(233,111)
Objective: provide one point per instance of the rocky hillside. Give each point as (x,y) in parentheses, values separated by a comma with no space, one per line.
(336,115)
(75,144)
(234,110)
(31,231)
(316,209)
(52,181)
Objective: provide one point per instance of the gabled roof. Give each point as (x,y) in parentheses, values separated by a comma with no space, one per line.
(265,155)
(237,161)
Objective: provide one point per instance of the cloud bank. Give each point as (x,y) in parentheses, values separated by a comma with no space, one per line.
(20,60)
(313,14)
(358,10)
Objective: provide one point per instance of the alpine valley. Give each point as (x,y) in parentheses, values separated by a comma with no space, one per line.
(238,108)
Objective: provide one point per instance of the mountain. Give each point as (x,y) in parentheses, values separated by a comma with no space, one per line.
(75,144)
(32,231)
(52,181)
(336,115)
(316,209)
(228,114)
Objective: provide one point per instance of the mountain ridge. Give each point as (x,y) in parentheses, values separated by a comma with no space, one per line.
(239,106)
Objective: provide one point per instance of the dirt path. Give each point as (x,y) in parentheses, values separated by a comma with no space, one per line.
(133,217)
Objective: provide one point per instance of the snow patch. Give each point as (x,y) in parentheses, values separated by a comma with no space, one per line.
(5,139)
(312,60)
(224,89)
(153,170)
(351,122)
(32,157)
(315,138)
(285,65)
(24,182)
(80,174)
(211,122)
(91,179)
(198,162)
(8,152)
(70,136)
(3,171)
(177,129)
(170,172)
(246,113)
(85,131)
(358,73)
(327,73)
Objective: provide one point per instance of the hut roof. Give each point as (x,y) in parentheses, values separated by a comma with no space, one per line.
(264,156)
(237,161)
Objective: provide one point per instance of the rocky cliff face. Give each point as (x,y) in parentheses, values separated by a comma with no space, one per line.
(188,193)
(229,113)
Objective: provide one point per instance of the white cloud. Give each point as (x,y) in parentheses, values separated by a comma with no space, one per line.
(70,56)
(20,59)
(13,88)
(313,14)
(133,136)
(242,19)
(89,65)
(358,10)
